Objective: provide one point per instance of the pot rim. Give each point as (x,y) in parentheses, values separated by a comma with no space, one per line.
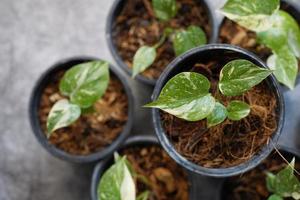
(36,126)
(109,29)
(216,172)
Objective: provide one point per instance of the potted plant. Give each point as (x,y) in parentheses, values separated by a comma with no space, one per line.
(273,179)
(267,30)
(142,169)
(221,110)
(81,109)
(146,35)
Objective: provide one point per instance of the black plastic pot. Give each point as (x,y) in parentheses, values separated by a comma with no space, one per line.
(184,63)
(34,109)
(200,187)
(288,153)
(117,8)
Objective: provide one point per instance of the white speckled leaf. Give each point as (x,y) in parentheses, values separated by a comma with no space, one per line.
(252,14)
(238,76)
(61,115)
(117,183)
(143,58)
(237,110)
(185,40)
(285,66)
(285,183)
(186,96)
(275,197)
(85,83)
(164,9)
(284,32)
(217,116)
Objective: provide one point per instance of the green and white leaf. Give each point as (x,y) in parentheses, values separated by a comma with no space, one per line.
(117,183)
(217,116)
(85,83)
(285,183)
(62,114)
(275,197)
(238,76)
(186,96)
(143,58)
(285,66)
(252,14)
(237,110)
(164,9)
(143,196)
(185,40)
(284,32)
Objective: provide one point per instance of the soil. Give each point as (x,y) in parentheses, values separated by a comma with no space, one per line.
(252,185)
(165,179)
(93,131)
(231,142)
(137,26)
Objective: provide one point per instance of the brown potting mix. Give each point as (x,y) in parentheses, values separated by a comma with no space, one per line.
(137,26)
(94,130)
(231,142)
(164,178)
(252,185)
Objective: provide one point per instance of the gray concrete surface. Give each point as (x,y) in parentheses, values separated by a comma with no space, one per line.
(34,34)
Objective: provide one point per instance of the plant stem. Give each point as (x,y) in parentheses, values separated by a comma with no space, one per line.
(166,33)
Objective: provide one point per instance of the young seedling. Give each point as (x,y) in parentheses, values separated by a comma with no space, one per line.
(118,182)
(183,40)
(276,29)
(84,84)
(284,184)
(187,95)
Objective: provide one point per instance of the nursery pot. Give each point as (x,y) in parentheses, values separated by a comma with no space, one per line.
(35,100)
(184,63)
(116,10)
(197,184)
(287,153)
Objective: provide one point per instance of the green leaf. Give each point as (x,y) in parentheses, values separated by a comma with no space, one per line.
(143,196)
(285,66)
(270,181)
(186,96)
(61,115)
(217,116)
(143,58)
(117,183)
(164,9)
(85,83)
(284,32)
(275,197)
(286,183)
(187,39)
(238,76)
(237,110)
(252,14)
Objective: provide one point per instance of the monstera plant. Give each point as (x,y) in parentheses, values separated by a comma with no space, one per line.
(275,28)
